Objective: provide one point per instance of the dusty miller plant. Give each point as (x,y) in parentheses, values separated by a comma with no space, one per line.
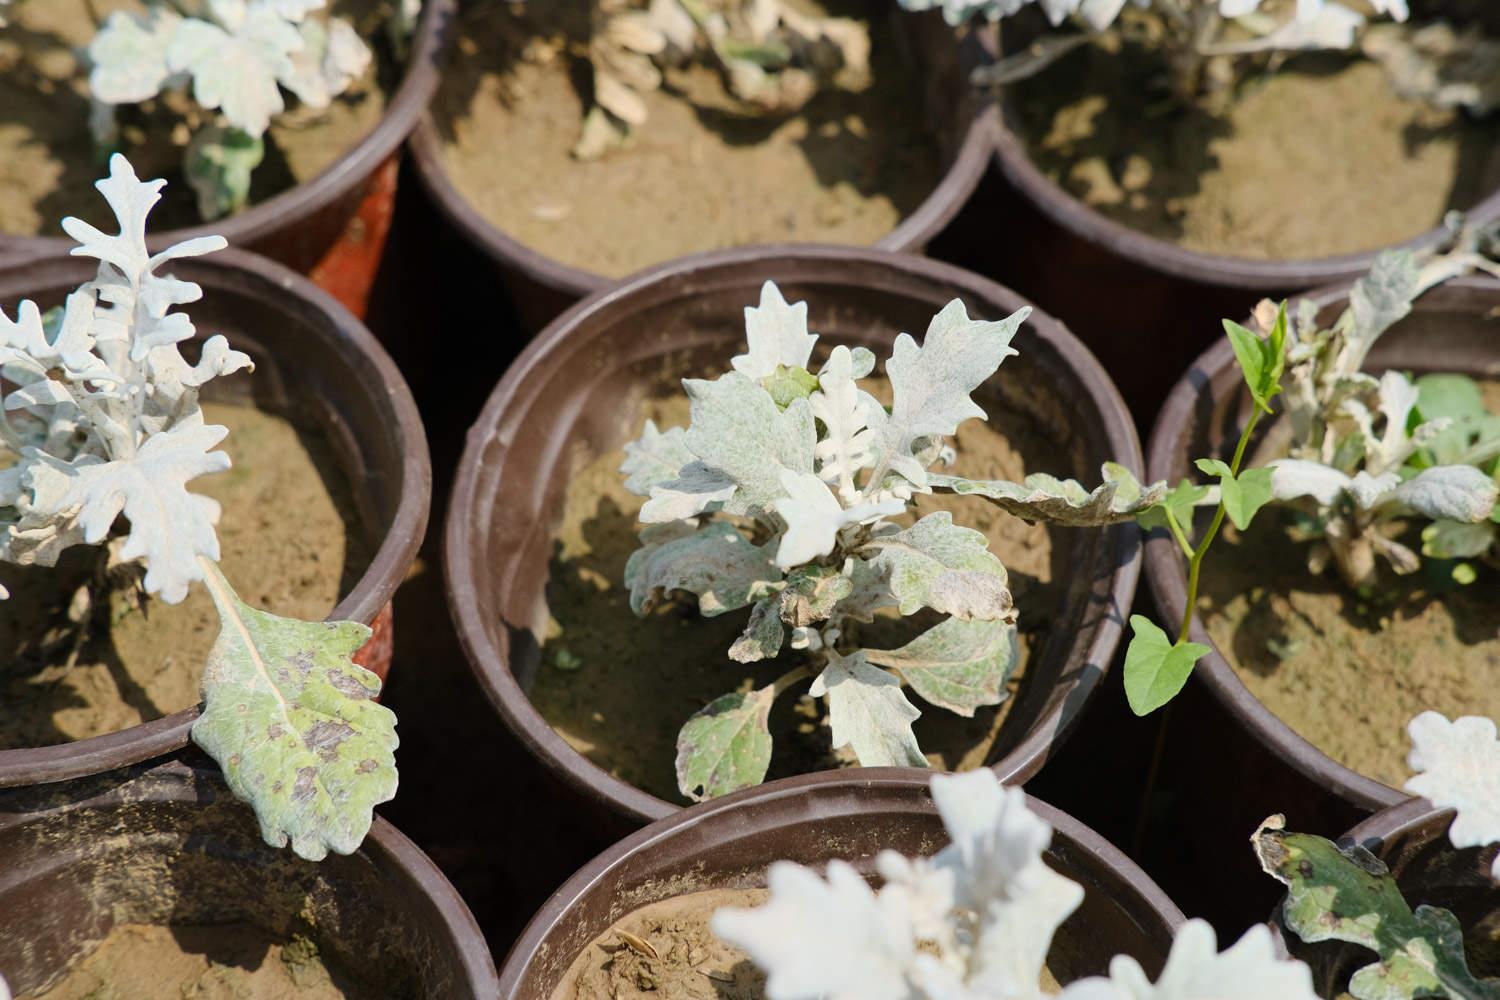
(773,58)
(1196,33)
(235,57)
(778,496)
(974,922)
(100,434)
(1347,894)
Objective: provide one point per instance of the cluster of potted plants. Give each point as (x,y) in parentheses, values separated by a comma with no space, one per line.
(788,549)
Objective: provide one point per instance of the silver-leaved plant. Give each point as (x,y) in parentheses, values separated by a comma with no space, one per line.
(100,434)
(235,57)
(1195,31)
(973,922)
(773,57)
(1347,894)
(780,497)
(1368,455)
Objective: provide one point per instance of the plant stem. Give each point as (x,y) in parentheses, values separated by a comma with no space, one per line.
(786,680)
(1195,561)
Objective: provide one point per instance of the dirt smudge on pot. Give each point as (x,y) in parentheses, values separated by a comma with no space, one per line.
(847,169)
(48,161)
(291,544)
(1272,175)
(618,688)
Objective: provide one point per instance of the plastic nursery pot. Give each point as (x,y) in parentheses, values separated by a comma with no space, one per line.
(169,845)
(1176,296)
(316,361)
(812,820)
(334,226)
(961,122)
(1412,840)
(1450,329)
(576,387)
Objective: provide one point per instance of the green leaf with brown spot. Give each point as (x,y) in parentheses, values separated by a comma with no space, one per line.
(958,665)
(726,745)
(1349,895)
(293,723)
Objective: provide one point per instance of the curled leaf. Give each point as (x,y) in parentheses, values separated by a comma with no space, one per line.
(1041,497)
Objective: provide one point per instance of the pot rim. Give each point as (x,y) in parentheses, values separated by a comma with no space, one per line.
(1161,255)
(233,269)
(1168,584)
(1404,817)
(754,810)
(288,208)
(462,565)
(938,209)
(175,781)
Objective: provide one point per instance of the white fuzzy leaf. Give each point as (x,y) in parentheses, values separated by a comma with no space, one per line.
(1041,497)
(777,335)
(958,665)
(331,58)
(1331,26)
(868,712)
(1458,767)
(847,441)
(738,430)
(820,940)
(169,527)
(940,565)
(1368,490)
(931,383)
(717,564)
(129,56)
(1449,492)
(654,459)
(814,516)
(1195,970)
(1295,477)
(237,70)
(696,489)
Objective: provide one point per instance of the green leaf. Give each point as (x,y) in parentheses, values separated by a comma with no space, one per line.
(1241,496)
(1457,539)
(1349,895)
(786,385)
(1181,501)
(293,723)
(958,665)
(1155,667)
(726,745)
(218,164)
(1261,359)
(763,636)
(726,570)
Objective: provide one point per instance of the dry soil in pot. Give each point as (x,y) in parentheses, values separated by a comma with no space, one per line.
(292,544)
(48,164)
(618,687)
(1317,158)
(847,169)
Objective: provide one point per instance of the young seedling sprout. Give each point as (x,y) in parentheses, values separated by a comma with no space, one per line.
(1347,894)
(973,922)
(235,57)
(1366,457)
(1446,67)
(778,497)
(100,418)
(772,57)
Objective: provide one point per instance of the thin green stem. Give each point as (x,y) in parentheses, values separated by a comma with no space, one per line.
(1177,533)
(1195,561)
(786,680)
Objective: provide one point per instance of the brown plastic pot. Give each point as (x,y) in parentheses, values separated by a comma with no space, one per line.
(171,845)
(1412,840)
(812,820)
(1173,298)
(963,120)
(1452,329)
(332,227)
(314,361)
(567,390)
